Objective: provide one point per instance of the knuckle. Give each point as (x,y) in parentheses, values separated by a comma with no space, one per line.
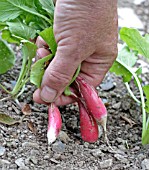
(57,79)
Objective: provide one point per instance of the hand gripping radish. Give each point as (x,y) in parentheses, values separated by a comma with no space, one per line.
(88,125)
(93,103)
(54,123)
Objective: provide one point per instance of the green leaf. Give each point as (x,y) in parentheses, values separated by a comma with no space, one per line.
(29,50)
(7,57)
(147,37)
(19,29)
(11,9)
(5,119)
(120,70)
(125,61)
(48,6)
(6,35)
(146,91)
(38,69)
(36,23)
(8,11)
(139,71)
(135,41)
(49,38)
(127,56)
(2,25)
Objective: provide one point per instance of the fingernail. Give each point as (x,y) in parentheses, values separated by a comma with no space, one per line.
(47,94)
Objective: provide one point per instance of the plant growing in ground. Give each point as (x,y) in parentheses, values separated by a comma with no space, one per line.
(125,67)
(22,21)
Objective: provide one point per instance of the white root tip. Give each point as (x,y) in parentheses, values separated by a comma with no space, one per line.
(51,135)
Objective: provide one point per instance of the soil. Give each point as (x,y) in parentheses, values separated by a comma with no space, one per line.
(24,146)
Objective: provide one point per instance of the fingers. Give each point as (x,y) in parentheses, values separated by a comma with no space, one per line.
(61,101)
(58,75)
(43,49)
(41,52)
(40,42)
(94,68)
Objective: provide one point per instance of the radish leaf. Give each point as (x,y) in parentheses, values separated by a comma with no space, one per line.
(7,57)
(135,41)
(38,69)
(8,11)
(50,39)
(6,35)
(48,6)
(19,29)
(124,62)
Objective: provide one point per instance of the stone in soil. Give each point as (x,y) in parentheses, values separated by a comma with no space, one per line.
(30,144)
(63,137)
(20,162)
(3,162)
(2,150)
(58,147)
(24,168)
(106,163)
(145,164)
(108,84)
(96,152)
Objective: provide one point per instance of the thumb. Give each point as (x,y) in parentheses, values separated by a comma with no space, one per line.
(59,73)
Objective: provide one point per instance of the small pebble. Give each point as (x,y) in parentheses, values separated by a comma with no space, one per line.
(63,137)
(58,147)
(20,162)
(30,144)
(2,150)
(96,152)
(145,164)
(106,163)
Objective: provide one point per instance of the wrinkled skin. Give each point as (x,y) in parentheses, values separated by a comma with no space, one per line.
(86,32)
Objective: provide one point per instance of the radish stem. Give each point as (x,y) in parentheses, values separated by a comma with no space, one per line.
(131,93)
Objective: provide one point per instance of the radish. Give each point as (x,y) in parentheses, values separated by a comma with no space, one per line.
(93,102)
(54,123)
(88,125)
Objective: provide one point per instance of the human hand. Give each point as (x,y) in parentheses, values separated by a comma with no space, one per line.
(86,33)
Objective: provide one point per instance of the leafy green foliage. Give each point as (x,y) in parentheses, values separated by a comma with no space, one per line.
(48,6)
(21,21)
(38,70)
(8,11)
(50,39)
(28,52)
(21,30)
(6,35)
(11,9)
(7,57)
(125,66)
(23,18)
(135,41)
(125,61)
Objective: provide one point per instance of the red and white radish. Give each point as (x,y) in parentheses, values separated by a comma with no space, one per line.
(88,125)
(93,103)
(54,123)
